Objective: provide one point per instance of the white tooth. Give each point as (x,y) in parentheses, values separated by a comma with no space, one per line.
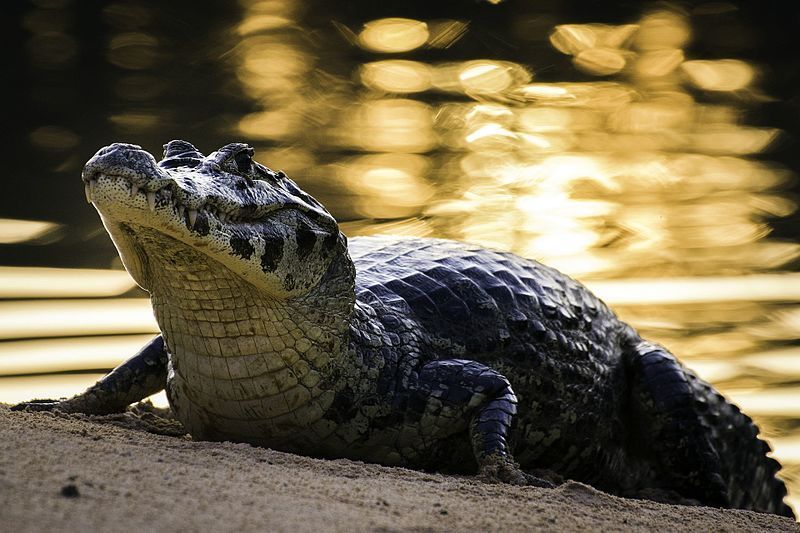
(88,190)
(134,190)
(192,217)
(92,186)
(181,210)
(151,200)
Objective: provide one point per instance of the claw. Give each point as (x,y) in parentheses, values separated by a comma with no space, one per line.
(503,469)
(38,405)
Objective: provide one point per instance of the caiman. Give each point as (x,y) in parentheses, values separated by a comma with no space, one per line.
(277,330)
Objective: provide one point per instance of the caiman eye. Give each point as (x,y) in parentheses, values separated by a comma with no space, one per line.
(244,160)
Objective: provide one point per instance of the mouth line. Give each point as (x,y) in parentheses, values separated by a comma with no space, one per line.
(166,195)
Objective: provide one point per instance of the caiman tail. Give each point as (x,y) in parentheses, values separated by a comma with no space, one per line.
(697,442)
(750,475)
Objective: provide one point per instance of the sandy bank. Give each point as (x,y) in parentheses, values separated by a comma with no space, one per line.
(70,474)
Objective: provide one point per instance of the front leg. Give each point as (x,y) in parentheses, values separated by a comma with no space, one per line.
(137,378)
(455,393)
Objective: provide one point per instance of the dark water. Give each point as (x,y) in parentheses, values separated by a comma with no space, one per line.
(648,150)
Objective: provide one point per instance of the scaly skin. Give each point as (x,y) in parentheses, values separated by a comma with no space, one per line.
(419,352)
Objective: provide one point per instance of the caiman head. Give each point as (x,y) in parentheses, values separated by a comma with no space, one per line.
(235,212)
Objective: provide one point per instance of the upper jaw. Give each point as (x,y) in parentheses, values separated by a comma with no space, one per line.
(125,160)
(148,185)
(184,195)
(153,187)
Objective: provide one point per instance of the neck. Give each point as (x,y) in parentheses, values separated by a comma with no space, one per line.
(235,349)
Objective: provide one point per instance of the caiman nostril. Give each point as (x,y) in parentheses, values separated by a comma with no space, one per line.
(117,146)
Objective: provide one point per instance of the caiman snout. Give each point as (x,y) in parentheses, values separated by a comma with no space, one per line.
(122,159)
(117,146)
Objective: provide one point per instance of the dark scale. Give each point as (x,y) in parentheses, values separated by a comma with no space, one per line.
(242,247)
(273,252)
(306,239)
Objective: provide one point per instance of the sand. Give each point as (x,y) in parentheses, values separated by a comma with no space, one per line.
(75,473)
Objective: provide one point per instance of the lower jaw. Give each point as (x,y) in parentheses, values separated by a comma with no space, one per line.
(144,202)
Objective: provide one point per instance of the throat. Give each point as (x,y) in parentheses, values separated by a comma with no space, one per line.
(236,353)
(208,313)
(246,366)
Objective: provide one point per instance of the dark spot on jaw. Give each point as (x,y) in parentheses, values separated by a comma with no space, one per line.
(306,239)
(288,282)
(273,252)
(330,241)
(248,210)
(242,247)
(201,224)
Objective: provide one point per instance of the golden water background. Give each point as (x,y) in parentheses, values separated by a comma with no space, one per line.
(613,150)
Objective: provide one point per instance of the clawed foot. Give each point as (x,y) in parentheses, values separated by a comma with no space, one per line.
(42,405)
(503,469)
(89,403)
